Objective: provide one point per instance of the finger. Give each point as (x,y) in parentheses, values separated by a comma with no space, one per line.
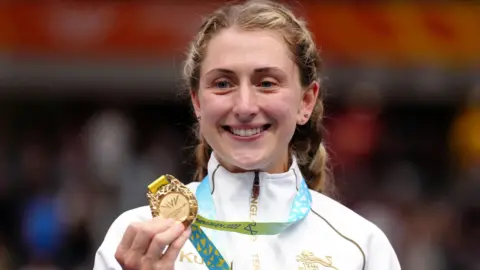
(174,249)
(160,220)
(129,235)
(147,232)
(161,240)
(127,241)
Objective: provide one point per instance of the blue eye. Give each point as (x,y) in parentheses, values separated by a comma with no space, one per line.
(266,84)
(222,84)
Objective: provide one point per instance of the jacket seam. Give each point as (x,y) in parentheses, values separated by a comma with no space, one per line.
(344,237)
(213,179)
(296,179)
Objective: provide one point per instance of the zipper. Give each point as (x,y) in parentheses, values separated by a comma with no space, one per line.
(253,214)
(256,186)
(254,197)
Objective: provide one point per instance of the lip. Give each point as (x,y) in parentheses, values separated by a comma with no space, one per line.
(246,126)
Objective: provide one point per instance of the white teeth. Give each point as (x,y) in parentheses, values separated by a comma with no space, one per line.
(246,132)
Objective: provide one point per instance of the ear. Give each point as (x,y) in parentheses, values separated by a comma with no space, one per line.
(308,102)
(195,102)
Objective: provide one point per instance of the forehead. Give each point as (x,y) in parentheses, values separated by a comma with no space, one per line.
(246,50)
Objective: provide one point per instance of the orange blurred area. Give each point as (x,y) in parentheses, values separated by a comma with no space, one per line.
(395,32)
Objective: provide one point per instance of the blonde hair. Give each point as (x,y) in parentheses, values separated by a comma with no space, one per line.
(306,143)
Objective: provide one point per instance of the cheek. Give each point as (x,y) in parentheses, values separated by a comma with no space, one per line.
(283,109)
(214,107)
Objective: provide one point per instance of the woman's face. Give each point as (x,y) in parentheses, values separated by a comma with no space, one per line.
(250,99)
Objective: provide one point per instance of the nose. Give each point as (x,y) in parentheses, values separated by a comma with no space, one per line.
(246,106)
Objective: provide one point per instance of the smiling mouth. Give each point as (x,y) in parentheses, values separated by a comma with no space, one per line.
(246,132)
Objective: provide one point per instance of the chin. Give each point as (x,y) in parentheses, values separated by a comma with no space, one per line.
(247,161)
(248,166)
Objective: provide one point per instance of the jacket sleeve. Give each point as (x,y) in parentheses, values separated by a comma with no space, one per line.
(105,255)
(380,254)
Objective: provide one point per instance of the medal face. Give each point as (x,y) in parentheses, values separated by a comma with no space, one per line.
(174,205)
(173,200)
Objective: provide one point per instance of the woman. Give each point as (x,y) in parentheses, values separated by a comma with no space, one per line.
(252,73)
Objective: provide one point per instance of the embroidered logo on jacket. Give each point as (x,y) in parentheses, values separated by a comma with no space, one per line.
(191,257)
(308,261)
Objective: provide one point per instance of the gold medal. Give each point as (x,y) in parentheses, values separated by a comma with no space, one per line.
(169,198)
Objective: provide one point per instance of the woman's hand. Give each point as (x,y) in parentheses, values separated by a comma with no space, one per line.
(143,244)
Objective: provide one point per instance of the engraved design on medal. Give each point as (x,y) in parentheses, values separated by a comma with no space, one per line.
(174,205)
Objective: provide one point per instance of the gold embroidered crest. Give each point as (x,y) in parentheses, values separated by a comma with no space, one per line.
(308,261)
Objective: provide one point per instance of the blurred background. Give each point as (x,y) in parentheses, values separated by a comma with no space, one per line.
(92,109)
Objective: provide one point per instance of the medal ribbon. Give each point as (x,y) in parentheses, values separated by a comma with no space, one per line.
(204,246)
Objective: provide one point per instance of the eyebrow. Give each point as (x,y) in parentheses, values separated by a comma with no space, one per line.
(257,70)
(219,70)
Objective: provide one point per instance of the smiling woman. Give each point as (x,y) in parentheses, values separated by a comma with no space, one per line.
(253,76)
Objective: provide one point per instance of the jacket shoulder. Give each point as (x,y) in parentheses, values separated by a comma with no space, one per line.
(339,214)
(371,241)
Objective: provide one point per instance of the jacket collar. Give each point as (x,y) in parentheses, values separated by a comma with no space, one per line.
(233,191)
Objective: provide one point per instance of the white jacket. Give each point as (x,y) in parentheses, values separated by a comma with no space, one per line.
(331,236)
